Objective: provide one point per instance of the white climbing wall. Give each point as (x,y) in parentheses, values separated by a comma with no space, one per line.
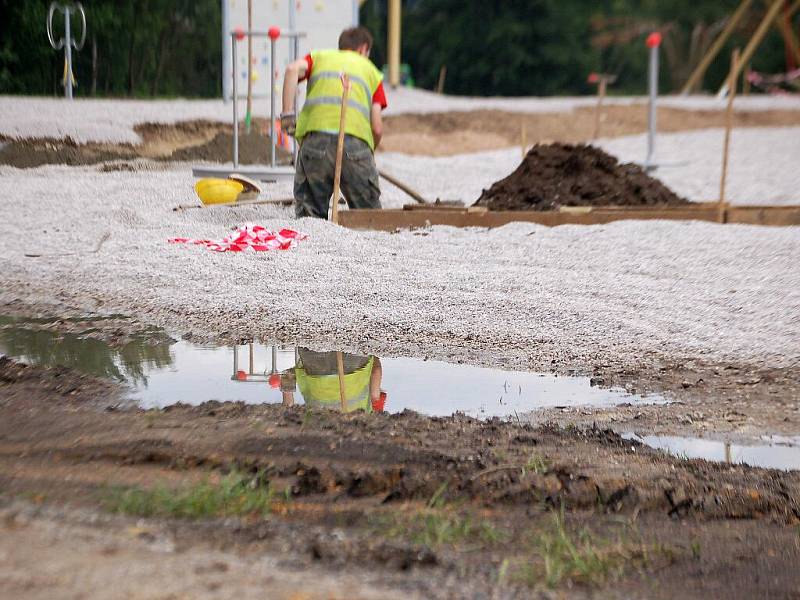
(321,20)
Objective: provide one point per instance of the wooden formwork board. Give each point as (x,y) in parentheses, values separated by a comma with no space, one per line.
(422,216)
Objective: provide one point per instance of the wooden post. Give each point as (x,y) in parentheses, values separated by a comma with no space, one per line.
(732,85)
(746,81)
(784,24)
(248,115)
(395,15)
(337,174)
(440,84)
(700,70)
(523,138)
(601,95)
(340,370)
(754,42)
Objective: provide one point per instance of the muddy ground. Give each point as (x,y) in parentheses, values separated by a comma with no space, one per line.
(437,134)
(445,134)
(383,505)
(205,141)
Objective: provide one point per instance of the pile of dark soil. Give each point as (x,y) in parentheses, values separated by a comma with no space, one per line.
(555,175)
(253,149)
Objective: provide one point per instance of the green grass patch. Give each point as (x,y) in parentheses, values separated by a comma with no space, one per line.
(436,527)
(559,556)
(536,464)
(234,495)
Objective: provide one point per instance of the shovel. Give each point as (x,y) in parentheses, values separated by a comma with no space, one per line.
(333,208)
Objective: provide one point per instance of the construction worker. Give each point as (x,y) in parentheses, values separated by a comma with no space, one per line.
(317,376)
(317,127)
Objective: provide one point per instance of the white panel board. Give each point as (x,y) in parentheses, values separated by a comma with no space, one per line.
(321,20)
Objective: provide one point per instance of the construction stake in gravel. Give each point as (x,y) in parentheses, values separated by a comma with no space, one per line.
(340,370)
(337,174)
(732,85)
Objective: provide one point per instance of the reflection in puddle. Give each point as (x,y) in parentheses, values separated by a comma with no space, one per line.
(161,374)
(127,362)
(780,453)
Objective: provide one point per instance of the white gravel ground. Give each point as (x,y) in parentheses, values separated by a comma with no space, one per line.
(621,294)
(762,166)
(87,120)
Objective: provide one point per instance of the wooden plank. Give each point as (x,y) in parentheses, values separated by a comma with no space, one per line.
(700,70)
(389,220)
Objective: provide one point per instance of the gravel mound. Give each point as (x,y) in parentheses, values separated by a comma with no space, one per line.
(555,175)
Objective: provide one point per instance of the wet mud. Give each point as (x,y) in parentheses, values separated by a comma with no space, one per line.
(205,141)
(355,489)
(555,175)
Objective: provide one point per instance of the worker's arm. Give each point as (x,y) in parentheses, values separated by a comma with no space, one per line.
(377,131)
(295,73)
(375,379)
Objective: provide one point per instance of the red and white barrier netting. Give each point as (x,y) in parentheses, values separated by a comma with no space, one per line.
(249,237)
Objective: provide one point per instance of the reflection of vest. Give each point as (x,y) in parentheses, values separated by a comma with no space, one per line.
(324,95)
(323,390)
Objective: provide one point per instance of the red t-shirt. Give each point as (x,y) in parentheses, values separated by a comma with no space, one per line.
(379,97)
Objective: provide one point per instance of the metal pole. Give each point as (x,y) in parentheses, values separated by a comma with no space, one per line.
(68,52)
(227,71)
(235,361)
(235,104)
(292,15)
(252,358)
(295,54)
(296,48)
(652,112)
(272,104)
(274,359)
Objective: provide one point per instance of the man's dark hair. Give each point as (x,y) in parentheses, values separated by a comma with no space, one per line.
(354,38)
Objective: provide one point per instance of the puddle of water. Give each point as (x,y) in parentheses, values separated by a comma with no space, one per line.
(781,453)
(161,374)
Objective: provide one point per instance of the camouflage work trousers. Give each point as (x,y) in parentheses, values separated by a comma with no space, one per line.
(313,179)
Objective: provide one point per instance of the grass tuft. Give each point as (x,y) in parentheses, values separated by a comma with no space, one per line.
(559,556)
(536,464)
(435,528)
(236,494)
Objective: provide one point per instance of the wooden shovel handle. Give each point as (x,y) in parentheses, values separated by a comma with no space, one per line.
(337,174)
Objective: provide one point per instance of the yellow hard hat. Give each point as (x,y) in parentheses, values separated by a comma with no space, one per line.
(218,191)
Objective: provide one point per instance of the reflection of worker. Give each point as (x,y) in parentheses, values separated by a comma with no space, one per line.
(317,376)
(317,127)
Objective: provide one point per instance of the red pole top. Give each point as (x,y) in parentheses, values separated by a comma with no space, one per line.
(654,40)
(274,32)
(238,33)
(593,78)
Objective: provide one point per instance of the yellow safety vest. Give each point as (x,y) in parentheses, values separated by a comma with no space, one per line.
(324,96)
(323,390)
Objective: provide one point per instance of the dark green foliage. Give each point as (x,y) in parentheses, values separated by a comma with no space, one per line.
(142,48)
(491,47)
(543,47)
